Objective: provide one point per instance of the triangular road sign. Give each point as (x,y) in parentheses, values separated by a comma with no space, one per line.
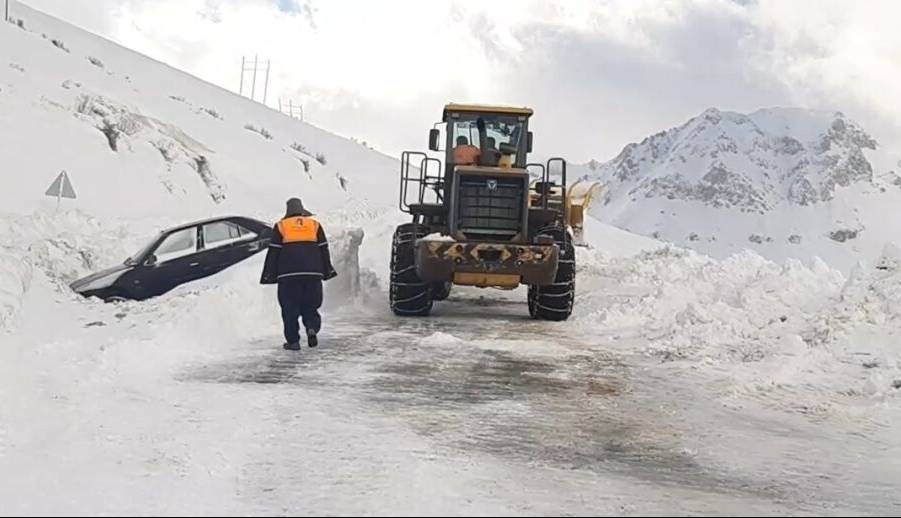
(61,187)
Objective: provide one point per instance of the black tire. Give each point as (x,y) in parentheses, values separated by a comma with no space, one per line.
(410,296)
(441,290)
(116,297)
(555,301)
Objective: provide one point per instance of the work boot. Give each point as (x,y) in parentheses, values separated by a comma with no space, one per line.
(312,341)
(292,346)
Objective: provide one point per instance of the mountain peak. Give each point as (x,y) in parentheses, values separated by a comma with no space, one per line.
(751,161)
(785,182)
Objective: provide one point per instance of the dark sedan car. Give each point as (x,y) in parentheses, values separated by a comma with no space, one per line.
(179,255)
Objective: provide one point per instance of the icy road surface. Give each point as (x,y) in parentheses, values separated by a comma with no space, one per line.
(477,410)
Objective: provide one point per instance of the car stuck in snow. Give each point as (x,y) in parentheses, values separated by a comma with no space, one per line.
(176,256)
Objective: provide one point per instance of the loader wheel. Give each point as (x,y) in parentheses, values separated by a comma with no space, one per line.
(441,290)
(555,301)
(410,296)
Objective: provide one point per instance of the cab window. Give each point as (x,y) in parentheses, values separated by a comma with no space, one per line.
(503,135)
(466,133)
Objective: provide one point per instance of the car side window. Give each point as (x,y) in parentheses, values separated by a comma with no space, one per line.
(176,245)
(224,233)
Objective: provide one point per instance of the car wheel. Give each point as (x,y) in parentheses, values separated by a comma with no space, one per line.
(115,298)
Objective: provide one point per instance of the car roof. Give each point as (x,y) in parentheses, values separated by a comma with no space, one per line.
(207,221)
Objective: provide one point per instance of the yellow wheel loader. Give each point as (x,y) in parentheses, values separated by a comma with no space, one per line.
(484,216)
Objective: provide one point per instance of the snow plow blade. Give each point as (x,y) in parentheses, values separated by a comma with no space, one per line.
(581,194)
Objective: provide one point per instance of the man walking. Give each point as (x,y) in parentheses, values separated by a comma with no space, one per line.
(298,261)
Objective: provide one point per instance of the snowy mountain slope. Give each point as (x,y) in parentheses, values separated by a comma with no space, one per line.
(183,146)
(784,182)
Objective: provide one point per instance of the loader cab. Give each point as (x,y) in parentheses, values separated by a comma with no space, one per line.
(484,148)
(495,136)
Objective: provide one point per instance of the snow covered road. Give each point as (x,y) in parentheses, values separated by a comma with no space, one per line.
(681,385)
(477,410)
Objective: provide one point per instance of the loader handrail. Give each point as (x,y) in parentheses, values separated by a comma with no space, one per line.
(562,162)
(423,178)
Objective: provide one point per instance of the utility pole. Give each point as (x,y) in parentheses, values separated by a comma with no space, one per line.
(246,67)
(266,87)
(289,109)
(6,11)
(243,68)
(253,89)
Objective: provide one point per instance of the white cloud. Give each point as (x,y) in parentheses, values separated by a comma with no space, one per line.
(839,53)
(599,73)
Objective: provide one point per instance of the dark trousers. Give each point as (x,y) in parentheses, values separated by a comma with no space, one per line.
(300,297)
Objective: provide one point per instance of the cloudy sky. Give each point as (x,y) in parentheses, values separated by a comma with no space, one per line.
(599,73)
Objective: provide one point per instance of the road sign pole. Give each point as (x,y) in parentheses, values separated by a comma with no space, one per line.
(59,195)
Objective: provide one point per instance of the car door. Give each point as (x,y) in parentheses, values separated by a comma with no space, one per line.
(226,243)
(174,261)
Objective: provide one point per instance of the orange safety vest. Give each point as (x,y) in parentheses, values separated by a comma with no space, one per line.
(299,229)
(466,155)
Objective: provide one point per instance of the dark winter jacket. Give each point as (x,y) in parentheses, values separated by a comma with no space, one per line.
(299,249)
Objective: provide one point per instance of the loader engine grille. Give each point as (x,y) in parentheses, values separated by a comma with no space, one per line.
(490,208)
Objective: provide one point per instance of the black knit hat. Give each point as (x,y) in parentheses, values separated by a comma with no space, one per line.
(295,208)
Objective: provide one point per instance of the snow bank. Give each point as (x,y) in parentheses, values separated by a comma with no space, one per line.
(15,279)
(344,245)
(63,246)
(862,327)
(691,306)
(797,336)
(70,244)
